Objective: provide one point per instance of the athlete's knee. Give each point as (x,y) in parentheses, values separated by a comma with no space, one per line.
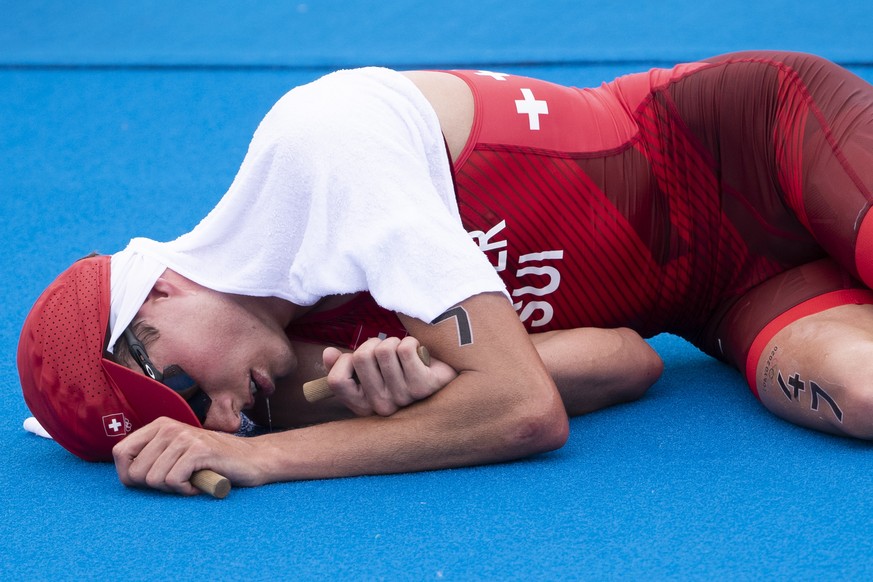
(857,420)
(843,395)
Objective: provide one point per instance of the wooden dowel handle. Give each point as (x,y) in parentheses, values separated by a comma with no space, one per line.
(211,482)
(318,389)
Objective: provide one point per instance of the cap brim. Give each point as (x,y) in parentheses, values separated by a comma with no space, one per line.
(149,398)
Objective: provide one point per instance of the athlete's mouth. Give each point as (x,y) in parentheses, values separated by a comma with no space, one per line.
(260,385)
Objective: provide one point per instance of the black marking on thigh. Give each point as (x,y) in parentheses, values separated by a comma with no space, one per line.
(465,330)
(782,385)
(818,391)
(796,385)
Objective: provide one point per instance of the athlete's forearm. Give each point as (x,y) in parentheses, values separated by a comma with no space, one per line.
(474,420)
(594,368)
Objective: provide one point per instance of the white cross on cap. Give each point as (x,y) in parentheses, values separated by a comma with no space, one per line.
(493,75)
(116,425)
(531,107)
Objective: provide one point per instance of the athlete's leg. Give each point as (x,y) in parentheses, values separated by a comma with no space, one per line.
(791,136)
(822,146)
(804,340)
(818,371)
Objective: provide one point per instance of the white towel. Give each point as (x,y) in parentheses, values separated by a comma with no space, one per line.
(32,425)
(132,276)
(345,188)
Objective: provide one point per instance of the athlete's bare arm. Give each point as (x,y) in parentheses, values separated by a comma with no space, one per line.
(595,368)
(592,368)
(452,101)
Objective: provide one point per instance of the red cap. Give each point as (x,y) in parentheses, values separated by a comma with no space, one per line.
(86,402)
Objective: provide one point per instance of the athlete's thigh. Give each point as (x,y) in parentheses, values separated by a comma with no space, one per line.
(817,371)
(804,341)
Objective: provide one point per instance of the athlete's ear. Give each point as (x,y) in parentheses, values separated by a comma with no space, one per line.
(165,287)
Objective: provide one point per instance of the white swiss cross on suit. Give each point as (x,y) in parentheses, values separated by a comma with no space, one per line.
(493,75)
(531,107)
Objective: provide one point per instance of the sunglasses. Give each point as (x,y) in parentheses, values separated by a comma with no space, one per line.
(173,376)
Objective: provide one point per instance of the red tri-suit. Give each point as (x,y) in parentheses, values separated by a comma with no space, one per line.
(708,200)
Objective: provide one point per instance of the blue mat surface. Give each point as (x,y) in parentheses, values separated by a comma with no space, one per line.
(350,32)
(119,120)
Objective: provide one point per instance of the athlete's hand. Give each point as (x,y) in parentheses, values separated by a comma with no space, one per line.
(165,453)
(390,375)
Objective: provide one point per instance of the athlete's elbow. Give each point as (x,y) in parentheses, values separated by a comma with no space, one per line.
(541,435)
(540,427)
(651,367)
(643,366)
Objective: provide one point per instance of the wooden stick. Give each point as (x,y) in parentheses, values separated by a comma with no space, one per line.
(318,389)
(211,482)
